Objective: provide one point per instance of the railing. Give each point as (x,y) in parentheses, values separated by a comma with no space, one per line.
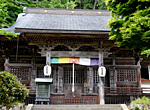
(117,99)
(30,100)
(110,90)
(124,90)
(32,90)
(117,95)
(74,100)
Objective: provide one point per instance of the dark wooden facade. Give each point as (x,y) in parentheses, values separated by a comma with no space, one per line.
(24,57)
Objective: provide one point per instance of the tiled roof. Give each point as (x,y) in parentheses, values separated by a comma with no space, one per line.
(64,22)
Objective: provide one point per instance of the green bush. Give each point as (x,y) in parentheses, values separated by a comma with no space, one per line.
(11,90)
(137,108)
(145,101)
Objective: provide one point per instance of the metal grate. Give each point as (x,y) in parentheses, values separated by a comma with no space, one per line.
(78,76)
(126,75)
(22,74)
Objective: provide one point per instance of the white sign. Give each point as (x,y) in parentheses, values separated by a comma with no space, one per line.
(102,71)
(47,70)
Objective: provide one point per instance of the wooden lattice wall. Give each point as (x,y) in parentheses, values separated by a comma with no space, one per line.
(23,74)
(127,77)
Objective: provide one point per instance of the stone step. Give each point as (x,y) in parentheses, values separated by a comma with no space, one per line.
(78,107)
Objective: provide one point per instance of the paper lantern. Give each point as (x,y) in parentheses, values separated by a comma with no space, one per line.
(102,71)
(47,70)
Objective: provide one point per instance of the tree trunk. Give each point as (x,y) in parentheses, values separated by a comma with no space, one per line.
(80,3)
(94,4)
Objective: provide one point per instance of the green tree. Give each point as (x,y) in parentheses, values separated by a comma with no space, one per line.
(130,24)
(3,21)
(11,90)
(91,4)
(71,4)
(13,8)
(101,5)
(62,4)
(56,4)
(9,10)
(3,15)
(43,4)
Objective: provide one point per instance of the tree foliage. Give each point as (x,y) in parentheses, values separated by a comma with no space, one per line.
(9,10)
(130,24)
(72,4)
(11,90)
(144,101)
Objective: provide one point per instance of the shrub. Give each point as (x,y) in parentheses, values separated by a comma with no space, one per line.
(137,108)
(145,101)
(11,90)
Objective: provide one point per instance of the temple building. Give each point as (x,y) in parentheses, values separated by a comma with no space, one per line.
(74,43)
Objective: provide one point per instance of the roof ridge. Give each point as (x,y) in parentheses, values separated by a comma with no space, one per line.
(66,11)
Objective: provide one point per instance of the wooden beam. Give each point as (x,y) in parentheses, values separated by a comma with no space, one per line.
(124,66)
(70,54)
(18,65)
(55,35)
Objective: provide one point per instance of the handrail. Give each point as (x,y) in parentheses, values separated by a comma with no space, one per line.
(32,89)
(127,90)
(110,90)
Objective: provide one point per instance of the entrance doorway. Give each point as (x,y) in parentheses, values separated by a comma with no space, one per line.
(80,77)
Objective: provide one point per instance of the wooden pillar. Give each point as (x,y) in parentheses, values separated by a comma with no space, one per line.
(101,84)
(90,79)
(54,85)
(85,80)
(139,73)
(48,57)
(33,73)
(112,75)
(60,79)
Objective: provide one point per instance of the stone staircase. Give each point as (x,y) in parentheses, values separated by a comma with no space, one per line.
(81,107)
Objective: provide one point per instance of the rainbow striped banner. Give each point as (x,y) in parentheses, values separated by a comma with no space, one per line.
(76,60)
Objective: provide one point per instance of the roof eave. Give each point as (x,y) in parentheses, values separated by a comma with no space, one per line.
(48,31)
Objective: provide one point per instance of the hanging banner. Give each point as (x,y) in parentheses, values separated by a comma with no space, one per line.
(54,60)
(76,60)
(94,62)
(84,61)
(63,60)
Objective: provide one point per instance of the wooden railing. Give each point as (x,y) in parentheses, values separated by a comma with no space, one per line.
(124,90)
(109,90)
(74,100)
(112,96)
(32,89)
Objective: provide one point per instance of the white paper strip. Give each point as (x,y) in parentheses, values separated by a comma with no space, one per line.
(84,61)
